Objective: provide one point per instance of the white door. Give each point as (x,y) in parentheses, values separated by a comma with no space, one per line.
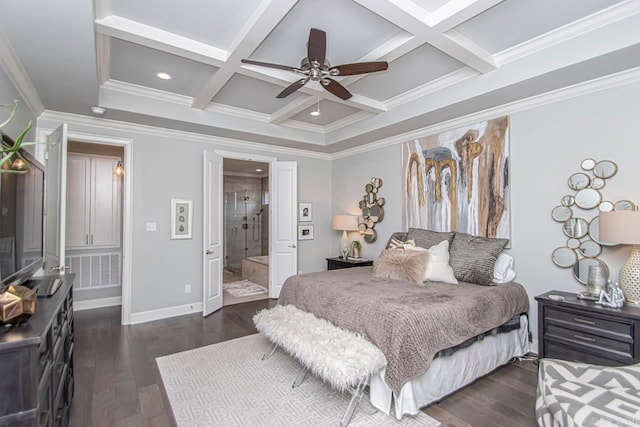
(78,197)
(212,239)
(55,200)
(283,256)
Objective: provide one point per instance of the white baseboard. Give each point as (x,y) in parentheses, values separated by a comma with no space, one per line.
(164,313)
(96,303)
(533,346)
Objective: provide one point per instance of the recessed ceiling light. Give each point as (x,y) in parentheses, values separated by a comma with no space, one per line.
(98,111)
(258,170)
(164,76)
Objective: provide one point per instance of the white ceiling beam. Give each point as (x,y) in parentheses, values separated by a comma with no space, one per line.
(103,8)
(410,17)
(145,35)
(455,12)
(262,22)
(103,58)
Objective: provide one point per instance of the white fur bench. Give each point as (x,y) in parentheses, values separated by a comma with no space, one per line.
(341,358)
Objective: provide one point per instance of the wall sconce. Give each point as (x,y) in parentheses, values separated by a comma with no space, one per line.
(345,223)
(119,170)
(623,227)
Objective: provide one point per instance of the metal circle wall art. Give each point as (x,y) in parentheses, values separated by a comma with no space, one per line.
(583,244)
(372,208)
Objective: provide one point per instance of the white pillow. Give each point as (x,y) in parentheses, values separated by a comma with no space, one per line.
(438,268)
(503,271)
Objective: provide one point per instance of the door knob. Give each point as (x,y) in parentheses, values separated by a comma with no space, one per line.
(209,252)
(292,246)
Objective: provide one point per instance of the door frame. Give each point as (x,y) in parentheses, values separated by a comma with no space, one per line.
(250,158)
(127,218)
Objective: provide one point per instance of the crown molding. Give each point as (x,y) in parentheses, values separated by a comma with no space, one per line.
(108,125)
(146,92)
(18,75)
(443,82)
(584,88)
(575,29)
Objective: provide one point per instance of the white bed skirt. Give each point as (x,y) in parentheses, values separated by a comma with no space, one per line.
(450,373)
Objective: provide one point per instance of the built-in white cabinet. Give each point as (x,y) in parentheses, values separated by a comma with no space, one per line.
(93,202)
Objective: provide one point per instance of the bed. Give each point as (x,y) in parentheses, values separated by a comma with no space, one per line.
(427,332)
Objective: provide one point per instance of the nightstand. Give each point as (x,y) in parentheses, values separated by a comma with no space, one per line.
(336,263)
(582,331)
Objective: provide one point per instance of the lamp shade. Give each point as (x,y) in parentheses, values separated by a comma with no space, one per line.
(345,222)
(622,227)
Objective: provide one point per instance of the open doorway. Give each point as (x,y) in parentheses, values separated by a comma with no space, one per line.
(246,231)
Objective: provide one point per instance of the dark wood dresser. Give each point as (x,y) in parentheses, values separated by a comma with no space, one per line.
(36,364)
(582,331)
(336,263)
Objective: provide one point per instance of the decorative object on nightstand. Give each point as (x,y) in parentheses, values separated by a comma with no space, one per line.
(345,223)
(356,247)
(624,227)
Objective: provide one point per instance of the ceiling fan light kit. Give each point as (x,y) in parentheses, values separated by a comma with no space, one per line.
(316,67)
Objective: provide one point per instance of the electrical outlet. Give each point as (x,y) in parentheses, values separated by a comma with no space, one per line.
(152,226)
(187,289)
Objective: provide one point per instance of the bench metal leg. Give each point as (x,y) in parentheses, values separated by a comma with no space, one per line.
(300,378)
(355,399)
(266,356)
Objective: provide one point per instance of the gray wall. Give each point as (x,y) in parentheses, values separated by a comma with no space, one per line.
(169,166)
(23,116)
(547,145)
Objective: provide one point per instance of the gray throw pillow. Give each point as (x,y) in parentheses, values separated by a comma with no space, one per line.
(427,238)
(473,258)
(401,265)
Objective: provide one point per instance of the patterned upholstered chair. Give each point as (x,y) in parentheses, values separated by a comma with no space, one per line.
(578,394)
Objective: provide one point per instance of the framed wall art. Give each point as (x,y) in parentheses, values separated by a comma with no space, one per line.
(305,214)
(305,232)
(458,180)
(181,219)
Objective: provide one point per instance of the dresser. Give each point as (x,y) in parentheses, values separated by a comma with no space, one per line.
(336,263)
(36,364)
(581,331)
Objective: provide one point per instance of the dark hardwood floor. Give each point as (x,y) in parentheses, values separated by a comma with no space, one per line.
(117,382)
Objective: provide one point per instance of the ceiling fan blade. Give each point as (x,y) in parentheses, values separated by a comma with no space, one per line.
(268,64)
(292,88)
(360,68)
(336,88)
(317,46)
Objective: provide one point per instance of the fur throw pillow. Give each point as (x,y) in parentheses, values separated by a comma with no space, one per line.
(401,265)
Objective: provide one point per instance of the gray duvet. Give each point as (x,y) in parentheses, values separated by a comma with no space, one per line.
(409,323)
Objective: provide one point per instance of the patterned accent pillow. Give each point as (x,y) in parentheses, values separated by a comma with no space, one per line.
(401,265)
(428,238)
(400,235)
(473,258)
(399,244)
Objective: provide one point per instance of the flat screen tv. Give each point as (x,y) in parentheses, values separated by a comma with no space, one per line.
(21,220)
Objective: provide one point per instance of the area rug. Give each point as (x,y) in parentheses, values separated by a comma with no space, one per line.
(227,384)
(243,288)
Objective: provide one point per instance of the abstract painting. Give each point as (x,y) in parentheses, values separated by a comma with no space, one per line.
(458,180)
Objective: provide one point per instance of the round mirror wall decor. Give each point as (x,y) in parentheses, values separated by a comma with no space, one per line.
(579,180)
(561,213)
(583,245)
(588,164)
(564,257)
(372,210)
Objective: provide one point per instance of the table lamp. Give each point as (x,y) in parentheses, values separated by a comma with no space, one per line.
(623,227)
(345,223)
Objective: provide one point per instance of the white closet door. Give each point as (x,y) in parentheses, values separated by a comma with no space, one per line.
(105,204)
(78,196)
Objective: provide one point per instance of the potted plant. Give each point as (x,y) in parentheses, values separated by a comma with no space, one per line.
(356,247)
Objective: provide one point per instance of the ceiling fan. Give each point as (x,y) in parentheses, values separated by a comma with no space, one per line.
(316,67)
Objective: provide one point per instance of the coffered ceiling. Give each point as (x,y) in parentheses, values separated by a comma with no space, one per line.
(447,59)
